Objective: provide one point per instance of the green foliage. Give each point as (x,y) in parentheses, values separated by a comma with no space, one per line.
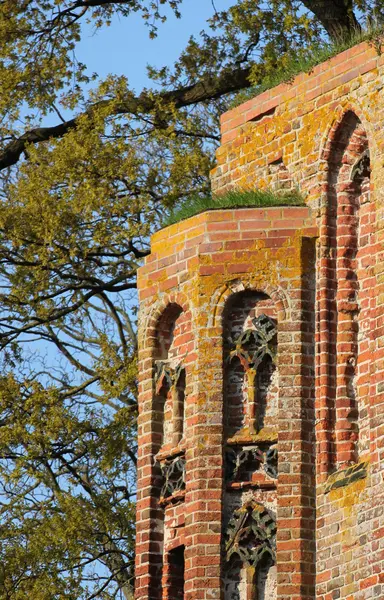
(62,511)
(254,199)
(305,61)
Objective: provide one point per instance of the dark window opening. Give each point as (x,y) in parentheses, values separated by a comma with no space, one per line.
(175,579)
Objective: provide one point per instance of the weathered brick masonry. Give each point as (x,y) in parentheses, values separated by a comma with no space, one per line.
(261,427)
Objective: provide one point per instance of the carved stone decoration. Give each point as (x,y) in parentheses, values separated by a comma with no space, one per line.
(173,472)
(254,344)
(271,462)
(251,534)
(172,379)
(251,349)
(362,168)
(166,374)
(241,462)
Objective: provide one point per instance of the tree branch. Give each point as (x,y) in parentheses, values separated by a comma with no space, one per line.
(336,16)
(208,88)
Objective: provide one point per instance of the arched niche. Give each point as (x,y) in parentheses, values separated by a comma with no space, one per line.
(250,554)
(250,374)
(168,328)
(169,376)
(171,332)
(346,277)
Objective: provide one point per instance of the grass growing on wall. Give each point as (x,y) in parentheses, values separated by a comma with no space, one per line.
(305,63)
(255,199)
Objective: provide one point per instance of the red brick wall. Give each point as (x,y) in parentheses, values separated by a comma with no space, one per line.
(202,264)
(319,272)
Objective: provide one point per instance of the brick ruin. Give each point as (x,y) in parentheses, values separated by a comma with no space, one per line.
(261,426)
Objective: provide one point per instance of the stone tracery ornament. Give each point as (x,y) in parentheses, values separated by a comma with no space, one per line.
(259,339)
(251,534)
(165,374)
(242,461)
(362,168)
(251,348)
(172,378)
(271,462)
(173,472)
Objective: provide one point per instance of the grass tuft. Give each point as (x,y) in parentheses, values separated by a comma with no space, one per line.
(256,199)
(305,63)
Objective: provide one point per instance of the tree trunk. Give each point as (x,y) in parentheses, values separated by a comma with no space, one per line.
(336,16)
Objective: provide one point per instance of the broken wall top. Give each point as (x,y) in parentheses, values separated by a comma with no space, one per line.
(280,139)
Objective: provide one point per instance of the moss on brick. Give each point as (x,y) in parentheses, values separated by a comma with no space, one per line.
(346,476)
(304,63)
(235,199)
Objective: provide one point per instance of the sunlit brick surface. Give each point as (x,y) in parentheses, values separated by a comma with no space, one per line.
(218,398)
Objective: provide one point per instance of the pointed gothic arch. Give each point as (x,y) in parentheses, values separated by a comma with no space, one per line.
(343,315)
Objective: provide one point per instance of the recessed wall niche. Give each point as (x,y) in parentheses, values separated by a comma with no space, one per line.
(170,377)
(350,221)
(251,458)
(250,373)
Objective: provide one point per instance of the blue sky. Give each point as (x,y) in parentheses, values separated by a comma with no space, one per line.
(124,48)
